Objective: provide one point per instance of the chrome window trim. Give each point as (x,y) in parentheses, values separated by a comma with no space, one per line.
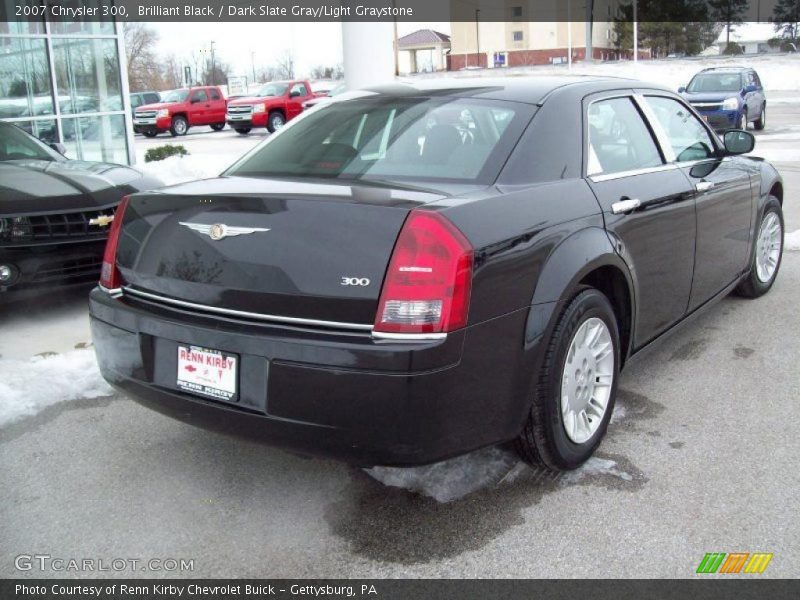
(630,95)
(662,139)
(245,314)
(623,174)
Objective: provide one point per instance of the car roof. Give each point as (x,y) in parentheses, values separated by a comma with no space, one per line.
(731,69)
(529,90)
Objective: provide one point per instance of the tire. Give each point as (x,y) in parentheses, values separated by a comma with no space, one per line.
(218,126)
(275,121)
(743,120)
(761,122)
(756,284)
(243,130)
(179,126)
(150,134)
(545,440)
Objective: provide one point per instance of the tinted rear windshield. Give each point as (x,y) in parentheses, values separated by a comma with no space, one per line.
(445,139)
(716,82)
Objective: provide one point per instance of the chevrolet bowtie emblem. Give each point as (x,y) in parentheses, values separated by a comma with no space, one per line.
(102,220)
(219,231)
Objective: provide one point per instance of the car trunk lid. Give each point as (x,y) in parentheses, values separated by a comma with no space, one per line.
(296,250)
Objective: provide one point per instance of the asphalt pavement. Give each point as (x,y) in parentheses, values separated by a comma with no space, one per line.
(701,457)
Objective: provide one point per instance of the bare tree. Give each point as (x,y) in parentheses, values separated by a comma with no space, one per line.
(323,72)
(218,72)
(140,41)
(173,73)
(284,67)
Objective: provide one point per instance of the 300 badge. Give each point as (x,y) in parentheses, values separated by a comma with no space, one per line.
(359,281)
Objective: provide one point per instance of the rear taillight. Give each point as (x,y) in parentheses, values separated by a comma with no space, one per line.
(428,283)
(109,274)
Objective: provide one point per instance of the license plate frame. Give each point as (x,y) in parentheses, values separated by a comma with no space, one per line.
(208,372)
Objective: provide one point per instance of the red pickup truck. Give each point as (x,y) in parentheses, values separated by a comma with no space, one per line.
(275,103)
(181,109)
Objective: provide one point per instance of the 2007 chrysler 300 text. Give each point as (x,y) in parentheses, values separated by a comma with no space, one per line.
(416,271)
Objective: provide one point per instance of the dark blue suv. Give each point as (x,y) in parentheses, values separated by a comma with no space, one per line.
(728,97)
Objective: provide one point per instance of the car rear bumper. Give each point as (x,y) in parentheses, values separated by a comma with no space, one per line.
(52,265)
(338,394)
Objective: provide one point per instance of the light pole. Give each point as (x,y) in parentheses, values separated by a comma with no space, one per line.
(253,63)
(635,32)
(213,69)
(478,37)
(569,35)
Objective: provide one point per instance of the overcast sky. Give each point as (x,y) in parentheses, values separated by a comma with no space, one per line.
(310,43)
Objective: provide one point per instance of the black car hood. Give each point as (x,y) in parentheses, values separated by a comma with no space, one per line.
(41,186)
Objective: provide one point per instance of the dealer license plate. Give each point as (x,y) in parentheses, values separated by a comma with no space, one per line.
(207,372)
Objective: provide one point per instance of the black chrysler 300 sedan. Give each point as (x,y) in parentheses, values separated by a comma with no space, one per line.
(55,213)
(412,272)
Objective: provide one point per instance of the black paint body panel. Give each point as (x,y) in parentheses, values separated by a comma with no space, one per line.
(538,232)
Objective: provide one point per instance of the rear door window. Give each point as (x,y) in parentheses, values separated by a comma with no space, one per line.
(687,136)
(619,139)
(214,94)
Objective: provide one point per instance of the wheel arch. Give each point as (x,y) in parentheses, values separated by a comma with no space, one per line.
(587,257)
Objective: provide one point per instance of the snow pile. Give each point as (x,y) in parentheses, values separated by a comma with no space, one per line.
(450,479)
(455,478)
(28,386)
(179,169)
(595,466)
(791,241)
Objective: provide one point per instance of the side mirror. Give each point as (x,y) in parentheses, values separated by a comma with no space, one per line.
(749,89)
(196,100)
(681,89)
(739,142)
(294,94)
(58,147)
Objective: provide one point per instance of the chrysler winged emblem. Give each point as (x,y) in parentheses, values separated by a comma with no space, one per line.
(219,231)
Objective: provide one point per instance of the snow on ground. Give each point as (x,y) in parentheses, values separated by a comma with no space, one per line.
(452,479)
(178,169)
(29,386)
(777,72)
(791,241)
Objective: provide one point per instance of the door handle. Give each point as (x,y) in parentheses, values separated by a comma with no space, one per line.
(704,186)
(625,206)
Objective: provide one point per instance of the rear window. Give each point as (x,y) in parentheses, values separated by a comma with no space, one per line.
(448,139)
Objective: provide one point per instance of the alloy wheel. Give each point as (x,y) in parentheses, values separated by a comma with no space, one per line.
(587,380)
(768,247)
